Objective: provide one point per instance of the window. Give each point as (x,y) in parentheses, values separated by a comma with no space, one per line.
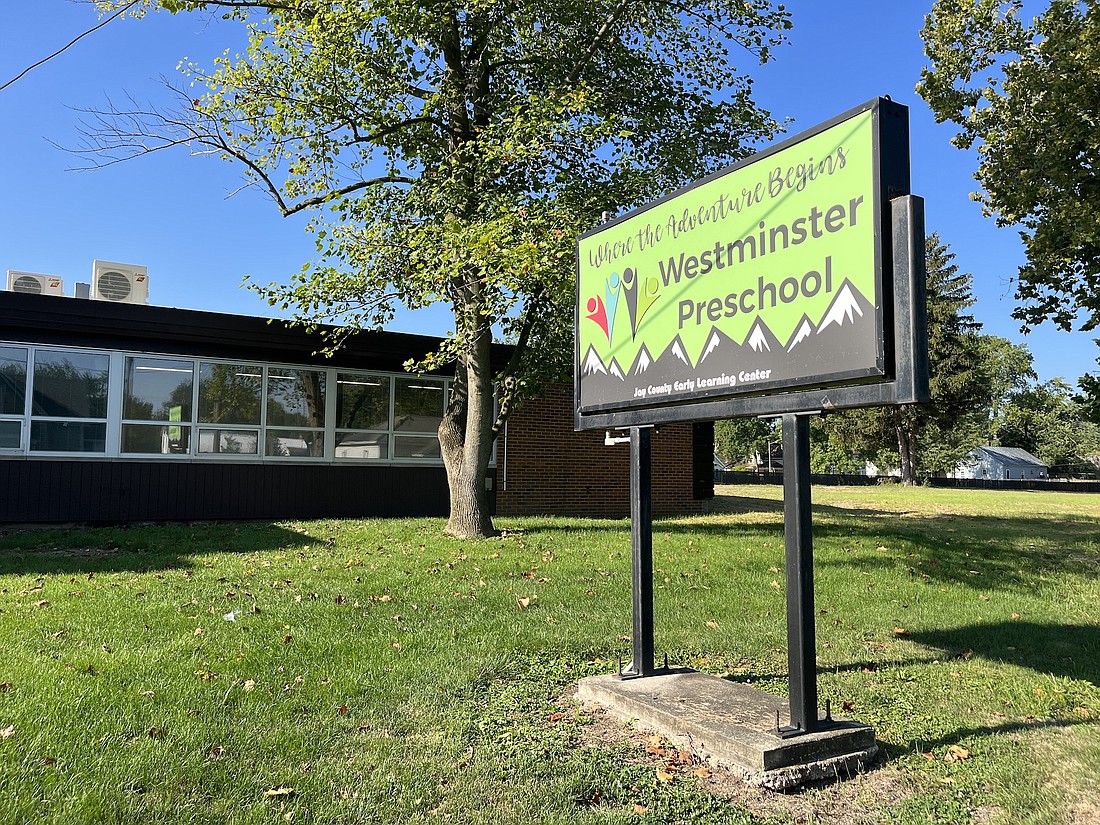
(417,414)
(135,405)
(13,380)
(229,394)
(295,399)
(69,385)
(362,415)
(157,390)
(13,396)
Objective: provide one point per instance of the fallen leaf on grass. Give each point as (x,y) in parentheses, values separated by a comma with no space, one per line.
(685,757)
(42,603)
(555,717)
(5,687)
(929,755)
(279,792)
(640,809)
(342,710)
(216,751)
(956,753)
(711,623)
(663,775)
(249,684)
(900,631)
(157,733)
(8,732)
(49,760)
(656,750)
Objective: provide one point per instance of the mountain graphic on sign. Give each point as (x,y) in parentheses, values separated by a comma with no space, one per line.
(803,331)
(675,349)
(615,370)
(846,337)
(592,363)
(761,339)
(845,308)
(720,345)
(642,361)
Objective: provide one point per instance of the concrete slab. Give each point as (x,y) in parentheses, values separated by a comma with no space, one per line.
(733,725)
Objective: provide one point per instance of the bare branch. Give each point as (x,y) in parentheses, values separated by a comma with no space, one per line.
(125,134)
(118,13)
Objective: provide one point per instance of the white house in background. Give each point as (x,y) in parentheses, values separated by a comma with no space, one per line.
(1004,463)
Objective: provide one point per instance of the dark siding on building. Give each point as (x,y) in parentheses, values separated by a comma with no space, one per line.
(125,491)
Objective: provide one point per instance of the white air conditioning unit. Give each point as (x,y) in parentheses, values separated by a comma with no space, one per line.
(33,283)
(121,283)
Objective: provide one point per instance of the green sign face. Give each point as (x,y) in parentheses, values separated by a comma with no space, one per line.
(763,278)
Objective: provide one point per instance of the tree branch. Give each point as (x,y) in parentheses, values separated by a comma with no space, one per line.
(118,13)
(597,41)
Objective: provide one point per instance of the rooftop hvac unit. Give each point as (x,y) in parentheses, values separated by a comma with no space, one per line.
(32,283)
(121,283)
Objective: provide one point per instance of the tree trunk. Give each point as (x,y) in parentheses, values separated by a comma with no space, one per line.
(905,456)
(466,442)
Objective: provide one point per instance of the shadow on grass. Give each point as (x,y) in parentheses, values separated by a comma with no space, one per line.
(138,549)
(981,553)
(1070,651)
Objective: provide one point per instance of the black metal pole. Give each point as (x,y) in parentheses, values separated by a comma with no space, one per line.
(798,533)
(641,548)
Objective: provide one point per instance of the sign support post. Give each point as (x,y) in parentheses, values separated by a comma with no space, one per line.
(798,537)
(641,549)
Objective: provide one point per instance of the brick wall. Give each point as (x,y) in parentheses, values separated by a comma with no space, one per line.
(544,467)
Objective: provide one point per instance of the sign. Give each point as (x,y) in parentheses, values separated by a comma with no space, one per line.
(770,276)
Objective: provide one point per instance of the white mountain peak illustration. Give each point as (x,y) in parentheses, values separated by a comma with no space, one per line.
(712,345)
(678,350)
(757,339)
(644,360)
(805,330)
(843,309)
(616,370)
(593,363)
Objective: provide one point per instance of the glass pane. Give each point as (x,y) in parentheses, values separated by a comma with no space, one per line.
(363,401)
(10,431)
(301,443)
(295,398)
(417,405)
(68,436)
(229,394)
(362,445)
(232,442)
(13,380)
(156,438)
(70,384)
(157,390)
(416,446)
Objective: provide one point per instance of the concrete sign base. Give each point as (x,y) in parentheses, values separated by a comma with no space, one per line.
(734,726)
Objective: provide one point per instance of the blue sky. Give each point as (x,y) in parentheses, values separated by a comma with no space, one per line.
(174,214)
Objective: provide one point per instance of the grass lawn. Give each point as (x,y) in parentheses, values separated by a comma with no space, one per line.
(373,671)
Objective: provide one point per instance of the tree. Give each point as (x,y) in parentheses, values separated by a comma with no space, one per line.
(933,437)
(737,440)
(1010,370)
(452,153)
(1027,96)
(1088,395)
(1046,421)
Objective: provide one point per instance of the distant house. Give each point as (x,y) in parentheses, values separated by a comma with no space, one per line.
(1001,463)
